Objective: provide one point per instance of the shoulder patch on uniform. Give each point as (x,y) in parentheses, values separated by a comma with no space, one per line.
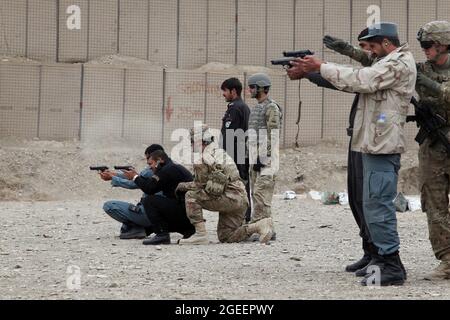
(155,177)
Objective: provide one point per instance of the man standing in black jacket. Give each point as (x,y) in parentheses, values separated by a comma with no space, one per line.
(234,128)
(166,212)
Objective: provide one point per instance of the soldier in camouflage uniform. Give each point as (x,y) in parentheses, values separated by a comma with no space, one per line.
(217,187)
(433,87)
(263,140)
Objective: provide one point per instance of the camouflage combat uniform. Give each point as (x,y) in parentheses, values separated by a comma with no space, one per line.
(231,205)
(264,119)
(434,162)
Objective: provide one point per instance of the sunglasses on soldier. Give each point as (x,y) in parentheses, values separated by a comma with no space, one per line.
(426,44)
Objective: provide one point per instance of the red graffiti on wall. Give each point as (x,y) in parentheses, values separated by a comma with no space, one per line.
(182,112)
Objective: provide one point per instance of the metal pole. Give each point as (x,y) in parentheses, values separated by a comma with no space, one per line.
(81,101)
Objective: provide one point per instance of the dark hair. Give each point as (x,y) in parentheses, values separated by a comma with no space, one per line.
(159,154)
(232,83)
(153,148)
(363,33)
(379,40)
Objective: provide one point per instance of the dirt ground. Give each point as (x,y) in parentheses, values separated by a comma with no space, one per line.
(53,229)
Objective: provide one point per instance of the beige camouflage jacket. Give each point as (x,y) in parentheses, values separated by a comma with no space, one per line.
(215,158)
(385,90)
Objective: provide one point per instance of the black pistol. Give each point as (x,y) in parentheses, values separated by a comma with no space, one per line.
(123,167)
(289,56)
(99,168)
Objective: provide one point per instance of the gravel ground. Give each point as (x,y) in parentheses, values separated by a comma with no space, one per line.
(40,240)
(53,228)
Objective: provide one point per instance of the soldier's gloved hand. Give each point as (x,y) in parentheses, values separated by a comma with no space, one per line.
(424,81)
(337,45)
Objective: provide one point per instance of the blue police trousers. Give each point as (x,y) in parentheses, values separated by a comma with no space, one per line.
(379,192)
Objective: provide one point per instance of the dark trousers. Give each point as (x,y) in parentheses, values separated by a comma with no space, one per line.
(380,189)
(355,175)
(167,215)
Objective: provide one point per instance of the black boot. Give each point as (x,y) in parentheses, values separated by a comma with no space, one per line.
(133,232)
(403,268)
(372,251)
(361,263)
(390,272)
(363,271)
(159,238)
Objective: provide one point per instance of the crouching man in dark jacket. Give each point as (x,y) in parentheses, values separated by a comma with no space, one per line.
(167,213)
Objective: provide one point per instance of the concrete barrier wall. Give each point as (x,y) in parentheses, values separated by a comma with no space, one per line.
(251,38)
(59,116)
(45,100)
(162,36)
(133,31)
(189,33)
(103,28)
(143,106)
(103,103)
(13,15)
(221,31)
(73,44)
(42,30)
(193,33)
(69,101)
(19,100)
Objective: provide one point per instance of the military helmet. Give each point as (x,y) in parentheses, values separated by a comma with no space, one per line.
(202,133)
(260,79)
(437,31)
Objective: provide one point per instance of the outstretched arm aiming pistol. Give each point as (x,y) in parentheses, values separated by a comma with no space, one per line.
(290,56)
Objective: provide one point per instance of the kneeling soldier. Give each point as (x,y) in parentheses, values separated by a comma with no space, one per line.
(218,187)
